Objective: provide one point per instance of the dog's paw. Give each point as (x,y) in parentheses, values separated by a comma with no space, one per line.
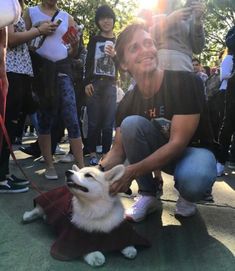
(129,252)
(95,258)
(33,215)
(28,216)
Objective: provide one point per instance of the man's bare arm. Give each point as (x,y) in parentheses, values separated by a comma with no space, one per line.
(182,129)
(3,46)
(116,155)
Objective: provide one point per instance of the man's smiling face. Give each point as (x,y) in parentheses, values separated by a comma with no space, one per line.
(140,54)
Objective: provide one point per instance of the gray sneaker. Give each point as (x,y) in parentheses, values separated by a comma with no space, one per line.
(68,158)
(185,208)
(50,174)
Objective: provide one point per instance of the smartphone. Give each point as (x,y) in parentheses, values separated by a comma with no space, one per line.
(59,21)
(71,30)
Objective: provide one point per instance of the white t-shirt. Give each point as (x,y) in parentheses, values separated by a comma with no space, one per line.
(52,48)
(226,68)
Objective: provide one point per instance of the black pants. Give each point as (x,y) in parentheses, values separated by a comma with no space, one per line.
(216,112)
(19,86)
(228,127)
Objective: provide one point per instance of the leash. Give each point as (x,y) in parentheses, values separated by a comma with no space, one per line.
(33,185)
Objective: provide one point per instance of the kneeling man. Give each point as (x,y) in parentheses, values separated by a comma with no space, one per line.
(161,125)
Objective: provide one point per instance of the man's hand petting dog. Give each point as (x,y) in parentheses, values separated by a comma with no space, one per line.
(123,183)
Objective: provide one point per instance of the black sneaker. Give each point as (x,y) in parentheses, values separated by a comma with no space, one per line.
(30,151)
(9,187)
(17,181)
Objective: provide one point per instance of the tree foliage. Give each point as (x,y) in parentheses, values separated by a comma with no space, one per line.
(220,17)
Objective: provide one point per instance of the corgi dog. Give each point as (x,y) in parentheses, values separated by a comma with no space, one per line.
(96,219)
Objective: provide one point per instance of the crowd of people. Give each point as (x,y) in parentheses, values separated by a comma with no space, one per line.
(163,123)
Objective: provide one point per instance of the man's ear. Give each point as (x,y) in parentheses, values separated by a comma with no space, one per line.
(114,174)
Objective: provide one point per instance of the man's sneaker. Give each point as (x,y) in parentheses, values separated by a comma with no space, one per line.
(9,187)
(185,208)
(143,206)
(220,169)
(17,181)
(50,174)
(93,161)
(59,151)
(231,165)
(68,158)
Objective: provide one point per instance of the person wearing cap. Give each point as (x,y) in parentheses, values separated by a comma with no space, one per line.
(100,82)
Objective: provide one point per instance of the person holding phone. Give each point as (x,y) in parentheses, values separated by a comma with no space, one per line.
(178,33)
(63,105)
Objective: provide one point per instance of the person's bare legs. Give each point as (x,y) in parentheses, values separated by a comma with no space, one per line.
(76,146)
(45,146)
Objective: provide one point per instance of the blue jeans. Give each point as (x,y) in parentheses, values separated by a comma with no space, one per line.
(101,108)
(194,171)
(67,110)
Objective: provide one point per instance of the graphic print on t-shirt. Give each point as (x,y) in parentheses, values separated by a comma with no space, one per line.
(103,64)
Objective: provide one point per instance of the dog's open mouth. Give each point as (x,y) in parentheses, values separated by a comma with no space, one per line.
(71,184)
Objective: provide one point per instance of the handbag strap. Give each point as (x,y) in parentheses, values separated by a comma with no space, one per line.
(52,20)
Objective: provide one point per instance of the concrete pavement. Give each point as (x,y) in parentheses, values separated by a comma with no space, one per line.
(204,242)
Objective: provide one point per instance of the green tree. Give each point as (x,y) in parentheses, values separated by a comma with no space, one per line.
(220,17)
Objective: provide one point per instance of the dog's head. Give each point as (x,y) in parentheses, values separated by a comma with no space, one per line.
(90,182)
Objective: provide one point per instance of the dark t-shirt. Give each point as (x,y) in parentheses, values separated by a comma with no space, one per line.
(181,93)
(97,63)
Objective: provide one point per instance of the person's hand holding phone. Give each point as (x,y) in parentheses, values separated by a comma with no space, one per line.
(47,28)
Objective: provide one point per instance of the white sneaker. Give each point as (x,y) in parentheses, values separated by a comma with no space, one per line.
(143,206)
(59,151)
(220,169)
(68,158)
(185,208)
(50,174)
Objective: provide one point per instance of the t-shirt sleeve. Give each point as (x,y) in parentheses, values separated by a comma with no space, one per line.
(124,107)
(187,94)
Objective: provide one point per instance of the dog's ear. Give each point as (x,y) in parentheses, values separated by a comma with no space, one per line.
(75,168)
(114,174)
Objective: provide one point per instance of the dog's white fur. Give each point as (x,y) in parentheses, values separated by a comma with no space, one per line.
(94,209)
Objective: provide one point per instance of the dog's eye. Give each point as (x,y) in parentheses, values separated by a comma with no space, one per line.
(88,175)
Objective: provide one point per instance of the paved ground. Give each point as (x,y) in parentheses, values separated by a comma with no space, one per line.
(204,242)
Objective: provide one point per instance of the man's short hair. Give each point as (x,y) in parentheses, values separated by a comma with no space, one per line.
(125,37)
(104,12)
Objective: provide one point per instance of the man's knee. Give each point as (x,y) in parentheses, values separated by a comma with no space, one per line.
(195,178)
(132,125)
